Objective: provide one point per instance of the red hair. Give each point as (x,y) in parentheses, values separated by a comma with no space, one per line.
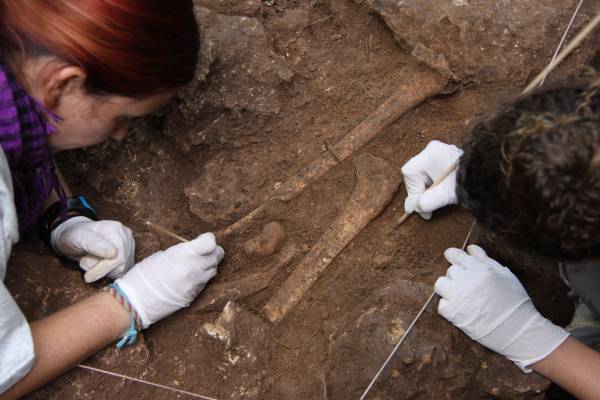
(131,48)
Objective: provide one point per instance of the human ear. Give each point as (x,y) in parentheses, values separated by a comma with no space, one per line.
(61,81)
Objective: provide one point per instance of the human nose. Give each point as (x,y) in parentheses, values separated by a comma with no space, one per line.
(120,131)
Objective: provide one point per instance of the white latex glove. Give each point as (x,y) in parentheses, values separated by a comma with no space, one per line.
(169,280)
(102,248)
(420,172)
(488,303)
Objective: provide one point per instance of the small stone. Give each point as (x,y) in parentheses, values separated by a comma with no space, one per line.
(427,358)
(484,365)
(494,392)
(382,261)
(285,74)
(268,242)
(248,347)
(337,36)
(176,382)
(408,360)
(395,373)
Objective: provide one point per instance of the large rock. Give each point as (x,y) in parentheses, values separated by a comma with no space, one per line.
(246,349)
(436,361)
(480,40)
(216,198)
(239,73)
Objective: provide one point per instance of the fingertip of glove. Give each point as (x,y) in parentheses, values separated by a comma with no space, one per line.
(451,254)
(438,283)
(434,143)
(208,236)
(476,251)
(88,262)
(410,203)
(90,277)
(220,253)
(426,215)
(212,273)
(103,249)
(204,244)
(443,307)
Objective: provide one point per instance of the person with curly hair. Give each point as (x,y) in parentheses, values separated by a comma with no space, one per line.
(530,174)
(74,73)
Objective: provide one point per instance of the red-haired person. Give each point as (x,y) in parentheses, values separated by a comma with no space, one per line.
(530,174)
(72,74)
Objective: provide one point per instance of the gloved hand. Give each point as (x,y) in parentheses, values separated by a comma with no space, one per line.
(420,172)
(488,303)
(169,280)
(102,248)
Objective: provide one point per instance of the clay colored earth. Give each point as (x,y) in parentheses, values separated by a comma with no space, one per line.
(279,84)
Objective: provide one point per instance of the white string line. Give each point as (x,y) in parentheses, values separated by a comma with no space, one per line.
(198,396)
(410,326)
(576,41)
(562,40)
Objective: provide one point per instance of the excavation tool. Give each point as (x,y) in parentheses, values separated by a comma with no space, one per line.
(165,231)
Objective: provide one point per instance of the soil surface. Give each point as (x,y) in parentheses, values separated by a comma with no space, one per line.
(279,83)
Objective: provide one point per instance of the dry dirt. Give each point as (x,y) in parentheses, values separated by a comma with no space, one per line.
(280,82)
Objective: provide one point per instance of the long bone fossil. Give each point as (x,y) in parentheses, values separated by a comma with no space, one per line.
(376,183)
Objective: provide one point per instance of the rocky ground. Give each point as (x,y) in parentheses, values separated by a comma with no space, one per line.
(280,83)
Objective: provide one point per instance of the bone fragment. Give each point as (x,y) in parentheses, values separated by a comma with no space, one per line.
(409,95)
(217,295)
(376,183)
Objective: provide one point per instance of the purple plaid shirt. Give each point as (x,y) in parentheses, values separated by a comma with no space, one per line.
(23,132)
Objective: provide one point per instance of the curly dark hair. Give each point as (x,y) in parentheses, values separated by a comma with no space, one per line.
(531,173)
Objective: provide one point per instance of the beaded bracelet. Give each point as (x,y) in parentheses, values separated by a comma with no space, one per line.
(136,322)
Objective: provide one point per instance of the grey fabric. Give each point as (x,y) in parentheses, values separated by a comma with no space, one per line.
(584,279)
(16,344)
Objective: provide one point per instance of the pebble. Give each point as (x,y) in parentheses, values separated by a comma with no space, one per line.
(268,242)
(382,261)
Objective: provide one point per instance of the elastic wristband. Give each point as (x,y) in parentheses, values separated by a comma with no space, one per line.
(135,321)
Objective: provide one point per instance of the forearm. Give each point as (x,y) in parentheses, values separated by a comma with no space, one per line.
(575,367)
(69,336)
